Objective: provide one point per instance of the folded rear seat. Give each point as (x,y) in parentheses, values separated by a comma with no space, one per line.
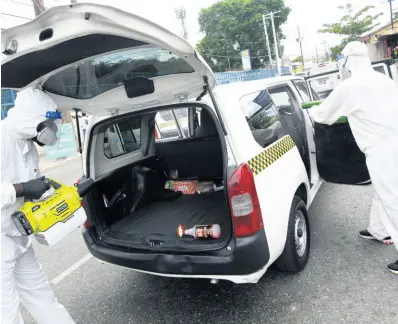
(199,157)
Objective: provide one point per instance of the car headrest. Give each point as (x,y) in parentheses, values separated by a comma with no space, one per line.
(207,126)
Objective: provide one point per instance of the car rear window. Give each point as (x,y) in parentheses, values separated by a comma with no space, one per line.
(94,76)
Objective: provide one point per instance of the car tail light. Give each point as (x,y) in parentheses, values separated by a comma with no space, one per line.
(156,134)
(245,207)
(85,224)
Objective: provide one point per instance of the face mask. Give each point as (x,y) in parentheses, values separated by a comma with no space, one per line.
(47,133)
(342,63)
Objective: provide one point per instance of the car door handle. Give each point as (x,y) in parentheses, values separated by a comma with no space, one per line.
(284,112)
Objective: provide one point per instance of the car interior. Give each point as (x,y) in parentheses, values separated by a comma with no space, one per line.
(139,209)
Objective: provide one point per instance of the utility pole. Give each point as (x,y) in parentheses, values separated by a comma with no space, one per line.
(317,58)
(326,53)
(267,41)
(38,6)
(275,43)
(180,14)
(229,64)
(392,18)
(299,39)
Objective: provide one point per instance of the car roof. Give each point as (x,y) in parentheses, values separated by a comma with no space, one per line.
(239,89)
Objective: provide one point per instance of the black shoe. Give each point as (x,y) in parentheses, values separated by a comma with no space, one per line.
(367,236)
(393,267)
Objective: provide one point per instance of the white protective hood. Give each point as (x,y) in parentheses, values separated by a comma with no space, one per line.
(29,111)
(64,37)
(358,60)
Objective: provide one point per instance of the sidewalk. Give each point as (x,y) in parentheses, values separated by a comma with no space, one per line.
(45,165)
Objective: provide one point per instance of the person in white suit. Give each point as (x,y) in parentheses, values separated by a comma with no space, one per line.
(369,100)
(31,120)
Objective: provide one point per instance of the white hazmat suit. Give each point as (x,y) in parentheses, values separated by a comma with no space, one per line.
(22,278)
(369,99)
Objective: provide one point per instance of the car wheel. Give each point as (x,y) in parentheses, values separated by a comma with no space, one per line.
(296,252)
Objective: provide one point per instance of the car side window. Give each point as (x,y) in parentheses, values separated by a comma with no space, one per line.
(122,137)
(282,99)
(286,102)
(262,117)
(303,90)
(166,122)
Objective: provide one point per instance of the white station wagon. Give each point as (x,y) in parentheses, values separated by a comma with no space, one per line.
(251,141)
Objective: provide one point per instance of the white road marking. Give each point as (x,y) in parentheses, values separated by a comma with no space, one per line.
(72,268)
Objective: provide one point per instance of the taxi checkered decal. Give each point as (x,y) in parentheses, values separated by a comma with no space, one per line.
(271,154)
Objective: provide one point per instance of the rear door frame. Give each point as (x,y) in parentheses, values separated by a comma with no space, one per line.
(296,105)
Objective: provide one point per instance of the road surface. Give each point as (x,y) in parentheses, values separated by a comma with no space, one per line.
(346,280)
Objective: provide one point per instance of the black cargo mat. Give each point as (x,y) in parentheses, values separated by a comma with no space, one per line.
(163,217)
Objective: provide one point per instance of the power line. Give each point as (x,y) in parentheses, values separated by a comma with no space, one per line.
(7,14)
(230,56)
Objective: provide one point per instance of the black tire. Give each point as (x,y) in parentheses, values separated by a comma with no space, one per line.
(290,260)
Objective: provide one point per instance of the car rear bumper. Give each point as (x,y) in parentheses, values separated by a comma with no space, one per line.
(243,256)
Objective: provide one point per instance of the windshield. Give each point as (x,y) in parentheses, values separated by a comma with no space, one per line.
(94,76)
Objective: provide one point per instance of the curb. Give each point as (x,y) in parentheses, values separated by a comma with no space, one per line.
(61,163)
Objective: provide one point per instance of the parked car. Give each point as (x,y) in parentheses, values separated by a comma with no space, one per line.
(251,140)
(324,80)
(324,84)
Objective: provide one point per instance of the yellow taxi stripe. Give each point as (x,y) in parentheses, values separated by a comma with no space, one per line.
(271,154)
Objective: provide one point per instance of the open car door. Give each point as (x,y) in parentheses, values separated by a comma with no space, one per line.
(339,159)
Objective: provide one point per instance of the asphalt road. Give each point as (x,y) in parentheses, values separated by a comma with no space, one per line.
(345,281)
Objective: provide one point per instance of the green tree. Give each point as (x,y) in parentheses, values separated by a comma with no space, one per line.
(298,59)
(351,25)
(234,25)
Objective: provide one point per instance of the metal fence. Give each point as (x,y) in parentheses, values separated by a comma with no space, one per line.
(229,77)
(7,101)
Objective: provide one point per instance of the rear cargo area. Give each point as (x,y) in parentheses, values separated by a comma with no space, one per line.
(141,205)
(160,219)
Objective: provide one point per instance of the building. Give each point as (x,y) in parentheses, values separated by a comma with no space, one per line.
(382,42)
